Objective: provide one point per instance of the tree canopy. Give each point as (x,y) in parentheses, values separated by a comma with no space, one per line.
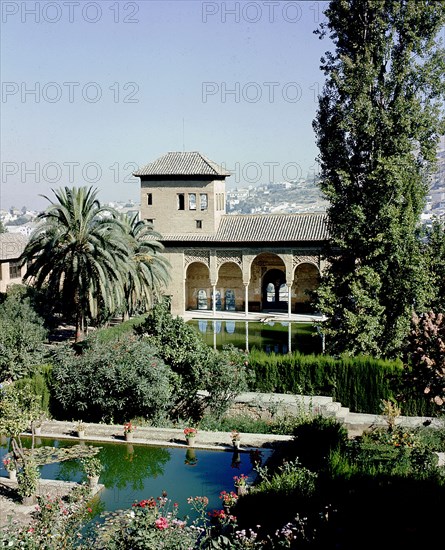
(379,119)
(88,258)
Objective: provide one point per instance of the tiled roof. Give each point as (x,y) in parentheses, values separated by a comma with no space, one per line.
(247,228)
(182,164)
(12,245)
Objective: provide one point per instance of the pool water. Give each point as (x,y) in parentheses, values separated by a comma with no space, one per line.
(274,336)
(135,472)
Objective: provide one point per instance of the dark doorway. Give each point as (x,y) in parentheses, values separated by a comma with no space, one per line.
(274,295)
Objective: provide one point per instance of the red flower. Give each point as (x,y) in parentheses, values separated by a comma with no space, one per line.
(161,523)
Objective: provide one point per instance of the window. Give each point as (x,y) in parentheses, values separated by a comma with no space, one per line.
(270,293)
(282,293)
(192,201)
(202,299)
(230,300)
(149,220)
(198,224)
(149,199)
(203,201)
(181,201)
(14,270)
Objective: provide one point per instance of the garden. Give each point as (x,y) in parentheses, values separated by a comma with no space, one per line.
(318,490)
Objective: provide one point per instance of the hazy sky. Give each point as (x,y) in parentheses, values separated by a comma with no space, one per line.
(93,90)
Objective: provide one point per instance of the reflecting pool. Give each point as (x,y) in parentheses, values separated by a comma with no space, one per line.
(273,336)
(135,472)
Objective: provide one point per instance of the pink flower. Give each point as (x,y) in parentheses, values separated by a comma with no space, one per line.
(161,523)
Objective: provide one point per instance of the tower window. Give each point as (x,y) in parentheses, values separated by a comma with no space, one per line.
(198,224)
(149,199)
(192,201)
(203,201)
(181,201)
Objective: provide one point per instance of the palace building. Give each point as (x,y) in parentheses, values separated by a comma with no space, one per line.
(249,262)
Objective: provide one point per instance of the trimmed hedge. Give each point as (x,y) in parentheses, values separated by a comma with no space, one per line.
(359,383)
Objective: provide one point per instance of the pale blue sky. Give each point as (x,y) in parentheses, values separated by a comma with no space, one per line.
(158,67)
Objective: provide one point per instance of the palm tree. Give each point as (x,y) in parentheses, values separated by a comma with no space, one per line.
(148,272)
(79,252)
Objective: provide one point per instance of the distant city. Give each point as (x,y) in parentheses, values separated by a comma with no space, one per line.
(301,195)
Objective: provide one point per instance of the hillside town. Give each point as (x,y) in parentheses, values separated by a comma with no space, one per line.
(279,197)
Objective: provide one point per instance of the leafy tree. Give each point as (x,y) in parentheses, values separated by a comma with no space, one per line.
(78,252)
(111,381)
(21,336)
(195,365)
(424,358)
(148,272)
(435,259)
(377,126)
(2,228)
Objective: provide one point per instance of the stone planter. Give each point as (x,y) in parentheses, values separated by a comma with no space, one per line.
(12,474)
(81,434)
(236,443)
(38,430)
(241,490)
(129,436)
(29,501)
(93,481)
(190,441)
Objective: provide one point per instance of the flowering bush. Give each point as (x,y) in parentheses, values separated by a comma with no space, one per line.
(241,480)
(229,499)
(56,523)
(129,428)
(9,464)
(190,432)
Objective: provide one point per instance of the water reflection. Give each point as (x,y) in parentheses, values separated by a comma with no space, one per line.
(279,337)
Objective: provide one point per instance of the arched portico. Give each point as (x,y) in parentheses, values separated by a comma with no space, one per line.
(306,280)
(198,293)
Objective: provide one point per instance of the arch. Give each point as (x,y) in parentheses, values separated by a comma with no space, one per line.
(198,289)
(306,280)
(260,277)
(230,285)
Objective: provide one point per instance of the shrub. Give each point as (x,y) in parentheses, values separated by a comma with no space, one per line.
(360,383)
(111,382)
(195,365)
(316,438)
(21,340)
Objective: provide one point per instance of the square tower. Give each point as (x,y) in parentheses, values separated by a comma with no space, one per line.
(183,193)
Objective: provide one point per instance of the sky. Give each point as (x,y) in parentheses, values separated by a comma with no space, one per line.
(93,90)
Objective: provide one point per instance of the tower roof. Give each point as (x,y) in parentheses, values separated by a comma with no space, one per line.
(176,163)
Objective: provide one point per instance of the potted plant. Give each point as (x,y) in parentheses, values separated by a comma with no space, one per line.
(241,484)
(190,434)
(228,499)
(236,438)
(80,429)
(92,467)
(10,467)
(28,481)
(129,428)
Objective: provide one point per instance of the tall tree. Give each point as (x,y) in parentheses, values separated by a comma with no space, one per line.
(434,251)
(79,252)
(148,272)
(379,118)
